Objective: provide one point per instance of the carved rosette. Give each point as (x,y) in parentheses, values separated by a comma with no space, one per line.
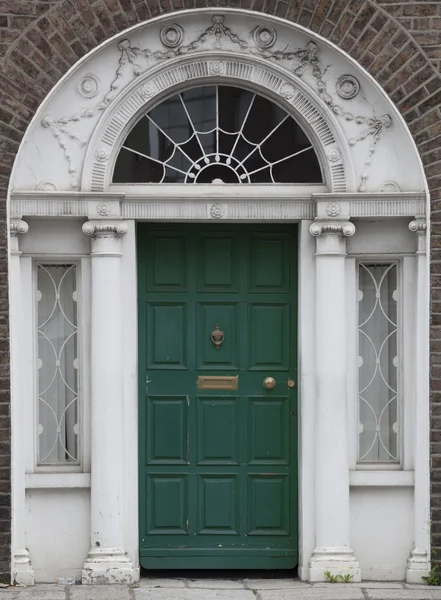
(147,91)
(103,209)
(217,68)
(348,87)
(171,35)
(89,86)
(101,155)
(265,36)
(217,211)
(287,91)
(333,209)
(334,156)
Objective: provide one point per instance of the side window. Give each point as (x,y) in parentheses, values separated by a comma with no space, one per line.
(57,365)
(378,363)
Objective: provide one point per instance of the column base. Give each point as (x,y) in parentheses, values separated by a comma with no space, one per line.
(22,572)
(338,560)
(108,565)
(418,566)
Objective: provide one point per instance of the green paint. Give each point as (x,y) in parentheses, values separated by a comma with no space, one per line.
(218,469)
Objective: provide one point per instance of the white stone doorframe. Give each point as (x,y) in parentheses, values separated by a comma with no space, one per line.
(324,541)
(324,214)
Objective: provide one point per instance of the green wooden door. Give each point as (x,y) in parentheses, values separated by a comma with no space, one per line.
(218,467)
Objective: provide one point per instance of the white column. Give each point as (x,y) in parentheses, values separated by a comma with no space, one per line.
(418,564)
(107,561)
(332,549)
(22,571)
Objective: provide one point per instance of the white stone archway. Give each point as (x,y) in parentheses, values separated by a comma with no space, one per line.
(371,171)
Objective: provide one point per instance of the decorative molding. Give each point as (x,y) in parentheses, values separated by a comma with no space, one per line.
(260,42)
(105,228)
(217,211)
(348,87)
(333,209)
(46,186)
(345,229)
(419,226)
(96,176)
(89,86)
(264,36)
(103,209)
(17,227)
(383,478)
(334,156)
(287,91)
(171,35)
(390,186)
(101,155)
(22,571)
(201,211)
(387,208)
(195,202)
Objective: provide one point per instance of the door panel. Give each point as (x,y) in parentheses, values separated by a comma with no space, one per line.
(218,468)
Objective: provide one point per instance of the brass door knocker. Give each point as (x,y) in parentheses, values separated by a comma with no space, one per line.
(217,337)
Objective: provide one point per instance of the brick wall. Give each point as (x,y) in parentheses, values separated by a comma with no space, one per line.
(398,42)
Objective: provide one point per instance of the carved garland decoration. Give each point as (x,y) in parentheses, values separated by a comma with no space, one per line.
(264,39)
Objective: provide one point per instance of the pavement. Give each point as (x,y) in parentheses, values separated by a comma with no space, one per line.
(226,589)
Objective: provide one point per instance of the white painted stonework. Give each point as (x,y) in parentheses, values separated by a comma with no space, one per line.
(370,521)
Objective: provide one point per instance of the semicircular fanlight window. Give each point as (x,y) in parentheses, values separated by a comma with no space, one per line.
(217,133)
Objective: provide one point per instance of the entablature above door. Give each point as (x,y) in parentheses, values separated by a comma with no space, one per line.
(227,203)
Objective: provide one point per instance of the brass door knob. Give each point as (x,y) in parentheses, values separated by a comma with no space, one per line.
(269,383)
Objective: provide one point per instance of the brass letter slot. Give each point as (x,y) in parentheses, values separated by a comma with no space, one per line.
(215,382)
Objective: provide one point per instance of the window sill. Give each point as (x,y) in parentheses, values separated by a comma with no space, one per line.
(381,478)
(57,480)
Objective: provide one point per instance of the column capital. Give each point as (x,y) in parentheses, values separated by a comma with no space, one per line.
(342,228)
(17,227)
(419,226)
(105,228)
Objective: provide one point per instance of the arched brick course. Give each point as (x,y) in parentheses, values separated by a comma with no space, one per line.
(397,41)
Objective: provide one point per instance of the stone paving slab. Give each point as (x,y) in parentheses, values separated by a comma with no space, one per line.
(417,586)
(313,593)
(192,594)
(418,594)
(97,592)
(226,589)
(153,582)
(382,585)
(216,584)
(36,594)
(274,584)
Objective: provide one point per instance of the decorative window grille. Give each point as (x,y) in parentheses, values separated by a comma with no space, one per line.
(217,134)
(378,362)
(57,364)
